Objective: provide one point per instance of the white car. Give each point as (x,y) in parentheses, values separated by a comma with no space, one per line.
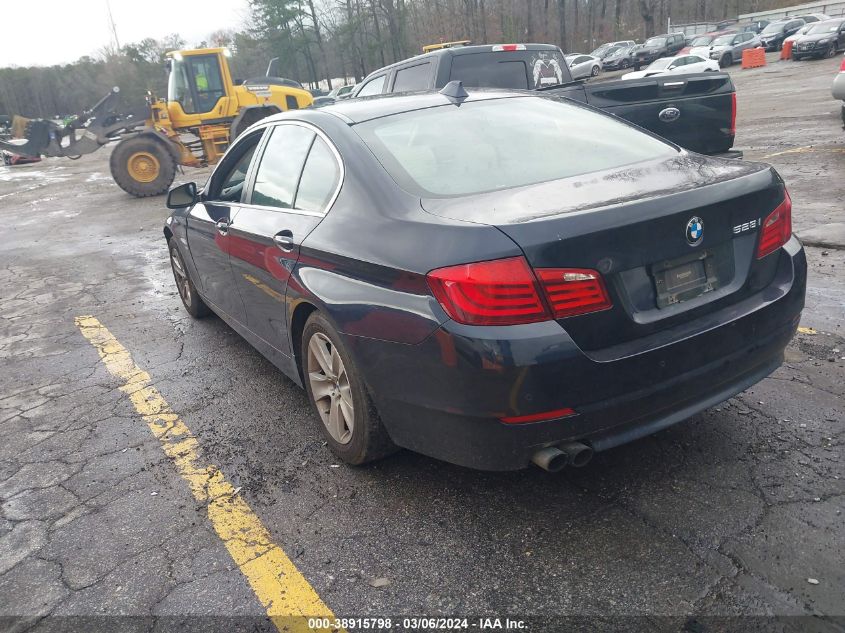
(582,66)
(838,88)
(682,64)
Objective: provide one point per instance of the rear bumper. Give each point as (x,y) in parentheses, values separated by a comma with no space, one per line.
(444,397)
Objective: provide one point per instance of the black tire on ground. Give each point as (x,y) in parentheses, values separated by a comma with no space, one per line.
(727,60)
(191,299)
(142,166)
(830,51)
(369,440)
(625,64)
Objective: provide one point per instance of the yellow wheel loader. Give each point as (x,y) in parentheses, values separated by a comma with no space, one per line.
(204,111)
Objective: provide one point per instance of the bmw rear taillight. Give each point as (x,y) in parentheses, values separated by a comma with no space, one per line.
(777,228)
(572,291)
(497,292)
(509,292)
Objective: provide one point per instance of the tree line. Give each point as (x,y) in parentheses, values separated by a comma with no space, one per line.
(330,42)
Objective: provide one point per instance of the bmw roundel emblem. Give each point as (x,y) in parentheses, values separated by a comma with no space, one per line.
(695,231)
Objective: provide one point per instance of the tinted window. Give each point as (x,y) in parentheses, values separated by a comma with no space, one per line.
(502,143)
(412,78)
(319,178)
(481,70)
(372,87)
(291,102)
(280,166)
(774,27)
(228,181)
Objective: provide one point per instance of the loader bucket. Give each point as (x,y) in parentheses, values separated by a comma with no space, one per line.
(35,131)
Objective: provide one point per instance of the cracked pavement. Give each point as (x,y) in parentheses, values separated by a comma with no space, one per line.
(728,514)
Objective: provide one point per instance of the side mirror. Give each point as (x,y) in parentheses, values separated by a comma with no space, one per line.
(182,196)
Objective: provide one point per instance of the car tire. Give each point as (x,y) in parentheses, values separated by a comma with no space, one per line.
(726,60)
(625,64)
(831,51)
(191,299)
(345,412)
(595,71)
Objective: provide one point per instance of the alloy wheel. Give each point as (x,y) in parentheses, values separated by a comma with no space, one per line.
(330,388)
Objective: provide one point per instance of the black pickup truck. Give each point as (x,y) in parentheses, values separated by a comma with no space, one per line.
(696,111)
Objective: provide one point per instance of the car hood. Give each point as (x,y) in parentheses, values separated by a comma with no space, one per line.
(701,51)
(637,74)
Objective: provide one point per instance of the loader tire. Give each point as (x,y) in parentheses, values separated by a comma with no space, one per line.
(142,167)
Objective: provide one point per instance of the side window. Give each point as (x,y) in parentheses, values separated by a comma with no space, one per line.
(227,184)
(280,166)
(412,78)
(319,179)
(291,103)
(372,87)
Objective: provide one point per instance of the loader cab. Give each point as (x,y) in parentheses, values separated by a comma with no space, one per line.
(198,81)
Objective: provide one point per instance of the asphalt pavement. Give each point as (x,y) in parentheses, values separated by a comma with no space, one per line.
(734,513)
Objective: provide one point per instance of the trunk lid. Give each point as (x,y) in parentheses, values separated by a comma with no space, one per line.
(632,225)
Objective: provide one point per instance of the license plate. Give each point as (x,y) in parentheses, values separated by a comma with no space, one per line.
(682,280)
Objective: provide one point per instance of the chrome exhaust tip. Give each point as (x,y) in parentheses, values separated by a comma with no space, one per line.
(551,459)
(578,454)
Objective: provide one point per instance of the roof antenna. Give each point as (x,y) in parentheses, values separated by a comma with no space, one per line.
(454,91)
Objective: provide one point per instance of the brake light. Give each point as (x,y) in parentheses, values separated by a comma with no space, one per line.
(539,417)
(733,114)
(498,292)
(508,47)
(507,292)
(572,291)
(842,66)
(777,228)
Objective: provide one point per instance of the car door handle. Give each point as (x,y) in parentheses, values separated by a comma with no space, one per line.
(284,240)
(223,226)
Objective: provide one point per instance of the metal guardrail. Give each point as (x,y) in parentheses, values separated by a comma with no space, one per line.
(833,9)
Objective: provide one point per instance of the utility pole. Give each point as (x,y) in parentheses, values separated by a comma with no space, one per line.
(113,27)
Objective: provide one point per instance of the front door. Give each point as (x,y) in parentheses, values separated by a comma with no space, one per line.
(295,177)
(209,241)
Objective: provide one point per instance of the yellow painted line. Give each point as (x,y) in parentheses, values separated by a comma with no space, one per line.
(807,150)
(277,583)
(806,330)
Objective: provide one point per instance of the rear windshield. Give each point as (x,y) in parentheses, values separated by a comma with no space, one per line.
(512,70)
(497,144)
(774,28)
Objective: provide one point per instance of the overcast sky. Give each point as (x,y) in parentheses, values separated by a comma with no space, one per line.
(46,32)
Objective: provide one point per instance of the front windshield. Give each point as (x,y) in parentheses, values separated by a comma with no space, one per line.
(704,40)
(656,41)
(721,41)
(610,52)
(660,64)
(823,27)
(773,28)
(514,142)
(601,49)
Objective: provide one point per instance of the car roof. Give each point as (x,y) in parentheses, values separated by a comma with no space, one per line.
(461,50)
(352,111)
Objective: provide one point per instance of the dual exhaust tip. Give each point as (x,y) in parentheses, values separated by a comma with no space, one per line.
(555,458)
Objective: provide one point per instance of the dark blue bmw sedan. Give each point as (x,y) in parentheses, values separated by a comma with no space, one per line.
(492,279)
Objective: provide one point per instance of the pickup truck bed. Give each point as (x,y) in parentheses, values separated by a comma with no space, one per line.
(696,111)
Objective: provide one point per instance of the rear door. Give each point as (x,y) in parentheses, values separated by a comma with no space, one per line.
(296,177)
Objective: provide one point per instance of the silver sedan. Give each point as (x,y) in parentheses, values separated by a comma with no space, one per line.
(582,66)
